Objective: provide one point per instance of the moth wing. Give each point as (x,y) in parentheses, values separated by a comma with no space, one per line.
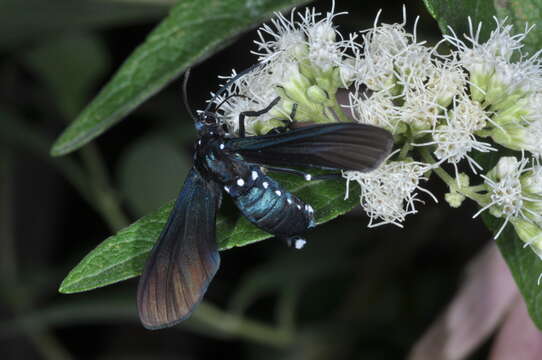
(345,146)
(185,258)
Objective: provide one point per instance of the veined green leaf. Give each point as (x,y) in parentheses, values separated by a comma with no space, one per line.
(454,14)
(122,256)
(190,33)
(519,12)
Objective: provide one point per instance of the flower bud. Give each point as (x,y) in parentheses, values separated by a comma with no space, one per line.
(506,166)
(513,136)
(317,95)
(463,180)
(263,127)
(531,181)
(529,233)
(454,199)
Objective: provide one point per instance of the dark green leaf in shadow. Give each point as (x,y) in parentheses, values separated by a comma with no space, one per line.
(123,255)
(70,66)
(454,14)
(519,12)
(31,20)
(151,172)
(190,33)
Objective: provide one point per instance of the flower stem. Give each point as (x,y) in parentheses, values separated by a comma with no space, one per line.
(404,150)
(106,198)
(477,188)
(450,181)
(340,113)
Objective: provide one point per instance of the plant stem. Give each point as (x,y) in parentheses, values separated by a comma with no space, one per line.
(238,326)
(106,198)
(207,317)
(405,149)
(477,188)
(337,109)
(450,181)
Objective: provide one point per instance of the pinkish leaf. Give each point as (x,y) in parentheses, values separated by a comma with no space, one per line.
(518,338)
(483,299)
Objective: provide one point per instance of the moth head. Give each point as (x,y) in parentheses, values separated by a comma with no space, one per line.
(209,124)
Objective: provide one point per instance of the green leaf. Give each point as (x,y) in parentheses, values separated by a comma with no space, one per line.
(519,12)
(123,255)
(525,266)
(454,14)
(190,33)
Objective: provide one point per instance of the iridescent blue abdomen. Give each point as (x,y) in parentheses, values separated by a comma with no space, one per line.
(260,198)
(267,205)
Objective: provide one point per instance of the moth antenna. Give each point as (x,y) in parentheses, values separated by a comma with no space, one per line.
(185,95)
(231,81)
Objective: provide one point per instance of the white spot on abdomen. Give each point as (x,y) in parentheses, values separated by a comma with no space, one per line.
(299,243)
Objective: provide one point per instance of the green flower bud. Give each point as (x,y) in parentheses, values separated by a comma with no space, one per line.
(529,233)
(263,127)
(317,95)
(454,199)
(512,136)
(505,166)
(463,179)
(479,84)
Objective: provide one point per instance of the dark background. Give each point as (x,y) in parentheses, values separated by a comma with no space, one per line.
(351,293)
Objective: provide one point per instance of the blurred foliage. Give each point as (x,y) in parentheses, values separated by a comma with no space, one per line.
(352,293)
(188,34)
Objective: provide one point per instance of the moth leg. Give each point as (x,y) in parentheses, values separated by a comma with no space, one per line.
(254,113)
(306,176)
(292,116)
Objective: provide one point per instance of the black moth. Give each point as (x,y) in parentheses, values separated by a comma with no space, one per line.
(185,258)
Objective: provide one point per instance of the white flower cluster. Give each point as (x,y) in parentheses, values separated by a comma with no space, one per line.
(388,193)
(443,110)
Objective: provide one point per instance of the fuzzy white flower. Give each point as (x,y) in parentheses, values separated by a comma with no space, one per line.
(493,77)
(509,79)
(421,111)
(508,198)
(377,109)
(446,81)
(286,42)
(455,138)
(388,194)
(479,57)
(324,41)
(255,91)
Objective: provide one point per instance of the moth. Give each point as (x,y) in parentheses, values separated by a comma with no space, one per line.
(185,257)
